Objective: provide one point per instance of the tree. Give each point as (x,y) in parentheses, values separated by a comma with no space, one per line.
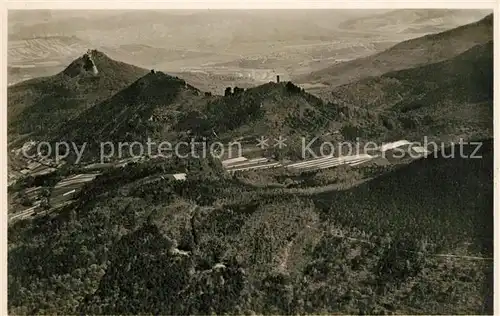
(24,200)
(227,92)
(238,90)
(291,88)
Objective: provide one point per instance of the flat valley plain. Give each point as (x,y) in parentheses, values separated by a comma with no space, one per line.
(240,46)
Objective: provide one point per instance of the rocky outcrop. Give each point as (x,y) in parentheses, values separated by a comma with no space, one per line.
(91,63)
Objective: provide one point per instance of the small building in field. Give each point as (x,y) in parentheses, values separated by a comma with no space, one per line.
(179,176)
(399,143)
(232,161)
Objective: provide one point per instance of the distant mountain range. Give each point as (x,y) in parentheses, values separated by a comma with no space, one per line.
(44,50)
(415,52)
(414,21)
(217,30)
(171,40)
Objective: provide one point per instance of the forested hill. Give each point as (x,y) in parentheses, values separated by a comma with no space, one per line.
(41,105)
